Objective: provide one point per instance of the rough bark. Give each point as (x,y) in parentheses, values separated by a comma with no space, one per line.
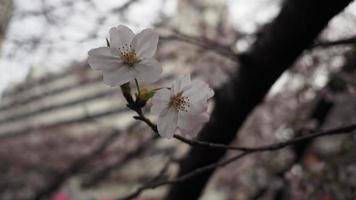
(277,47)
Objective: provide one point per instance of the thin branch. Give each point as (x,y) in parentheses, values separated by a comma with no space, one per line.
(192,142)
(203,43)
(124,6)
(270,147)
(336,131)
(226,51)
(346,41)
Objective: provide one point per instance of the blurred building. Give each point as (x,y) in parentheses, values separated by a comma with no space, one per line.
(52,122)
(68,97)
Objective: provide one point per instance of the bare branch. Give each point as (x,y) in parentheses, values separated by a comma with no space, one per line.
(124,6)
(346,41)
(203,43)
(246,150)
(270,147)
(335,131)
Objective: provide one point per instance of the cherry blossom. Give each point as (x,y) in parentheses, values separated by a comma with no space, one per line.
(128,57)
(183,107)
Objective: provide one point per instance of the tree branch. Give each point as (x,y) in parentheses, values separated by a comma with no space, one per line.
(203,43)
(345,41)
(272,147)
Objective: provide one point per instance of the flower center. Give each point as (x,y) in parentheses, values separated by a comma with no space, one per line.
(180,103)
(128,55)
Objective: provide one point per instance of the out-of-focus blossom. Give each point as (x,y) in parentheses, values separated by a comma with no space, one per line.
(129,56)
(183,107)
(61,196)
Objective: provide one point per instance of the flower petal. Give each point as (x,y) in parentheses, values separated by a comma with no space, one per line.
(194,132)
(120,35)
(145,43)
(167,123)
(148,70)
(191,124)
(103,58)
(198,107)
(199,91)
(182,83)
(119,76)
(160,101)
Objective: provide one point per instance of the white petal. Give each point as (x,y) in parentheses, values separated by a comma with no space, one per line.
(194,132)
(167,123)
(118,77)
(145,43)
(197,107)
(148,70)
(103,58)
(191,124)
(120,35)
(163,94)
(160,101)
(157,108)
(199,91)
(182,83)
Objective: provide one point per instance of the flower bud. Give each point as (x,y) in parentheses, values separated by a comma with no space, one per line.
(144,96)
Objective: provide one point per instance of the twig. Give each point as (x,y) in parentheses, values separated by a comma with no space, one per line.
(324,44)
(245,150)
(203,43)
(272,147)
(124,6)
(275,146)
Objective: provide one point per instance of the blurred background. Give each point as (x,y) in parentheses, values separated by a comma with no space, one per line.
(64,135)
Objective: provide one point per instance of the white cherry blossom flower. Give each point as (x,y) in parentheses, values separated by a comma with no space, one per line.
(183,107)
(129,56)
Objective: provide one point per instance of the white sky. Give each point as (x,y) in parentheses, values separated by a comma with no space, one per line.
(62,43)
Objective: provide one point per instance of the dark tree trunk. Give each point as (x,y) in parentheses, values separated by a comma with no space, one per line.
(277,47)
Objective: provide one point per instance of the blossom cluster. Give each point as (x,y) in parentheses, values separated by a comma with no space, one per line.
(180,107)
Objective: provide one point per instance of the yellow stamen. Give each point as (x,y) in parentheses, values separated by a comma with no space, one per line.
(128,55)
(180,103)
